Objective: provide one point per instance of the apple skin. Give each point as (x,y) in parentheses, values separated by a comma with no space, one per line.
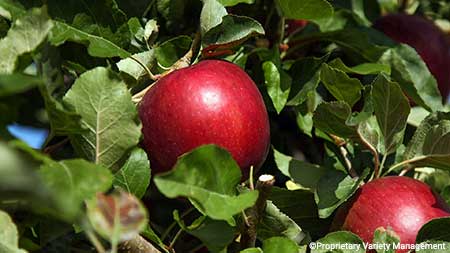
(212,102)
(401,203)
(428,40)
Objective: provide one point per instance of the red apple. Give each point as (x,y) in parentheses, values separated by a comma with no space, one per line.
(400,203)
(212,102)
(293,25)
(428,40)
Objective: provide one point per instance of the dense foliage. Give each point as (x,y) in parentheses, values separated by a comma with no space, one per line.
(346,104)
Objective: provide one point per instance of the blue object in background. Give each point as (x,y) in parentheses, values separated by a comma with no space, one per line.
(35,137)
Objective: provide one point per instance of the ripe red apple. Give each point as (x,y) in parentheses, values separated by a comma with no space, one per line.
(212,102)
(428,40)
(400,203)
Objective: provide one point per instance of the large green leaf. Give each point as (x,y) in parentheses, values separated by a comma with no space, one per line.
(9,237)
(211,16)
(340,85)
(62,121)
(232,30)
(72,182)
(391,110)
(133,68)
(429,147)
(333,118)
(303,211)
(303,173)
(276,223)
(413,76)
(305,75)
(26,34)
(334,189)
(104,104)
(97,46)
(361,69)
(134,176)
(306,9)
(277,87)
(208,176)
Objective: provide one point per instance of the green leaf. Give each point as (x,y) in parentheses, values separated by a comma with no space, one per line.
(385,237)
(280,244)
(332,118)
(134,176)
(429,146)
(334,188)
(11,9)
(216,235)
(211,16)
(104,104)
(97,46)
(339,238)
(208,176)
(412,74)
(275,223)
(361,69)
(305,75)
(303,211)
(133,68)
(17,83)
(277,87)
(391,110)
(303,173)
(9,237)
(232,30)
(170,51)
(340,85)
(62,121)
(18,178)
(306,9)
(26,34)
(435,233)
(72,182)
(430,123)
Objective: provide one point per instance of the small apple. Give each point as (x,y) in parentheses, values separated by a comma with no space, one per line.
(428,40)
(400,203)
(212,102)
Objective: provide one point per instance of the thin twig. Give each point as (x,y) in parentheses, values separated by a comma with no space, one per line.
(250,178)
(377,173)
(255,213)
(348,164)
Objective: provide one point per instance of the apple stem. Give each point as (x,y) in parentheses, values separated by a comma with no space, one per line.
(255,213)
(138,245)
(377,173)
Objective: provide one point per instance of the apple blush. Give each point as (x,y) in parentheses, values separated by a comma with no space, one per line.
(401,204)
(212,102)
